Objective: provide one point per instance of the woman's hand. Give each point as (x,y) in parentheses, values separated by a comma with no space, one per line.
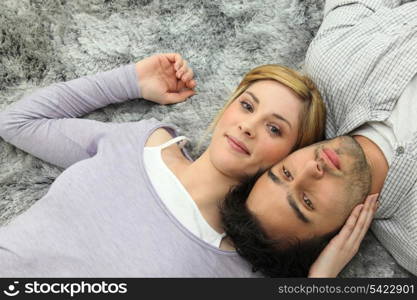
(165,78)
(345,245)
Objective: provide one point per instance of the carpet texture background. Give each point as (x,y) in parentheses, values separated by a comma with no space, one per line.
(44,41)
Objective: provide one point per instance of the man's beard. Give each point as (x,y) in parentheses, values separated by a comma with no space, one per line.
(358,176)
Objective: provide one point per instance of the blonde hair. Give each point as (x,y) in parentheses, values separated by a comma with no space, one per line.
(313,116)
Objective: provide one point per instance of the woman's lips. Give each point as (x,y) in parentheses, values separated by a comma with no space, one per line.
(237,145)
(332,157)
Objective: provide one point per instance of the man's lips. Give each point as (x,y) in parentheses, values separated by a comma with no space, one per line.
(332,157)
(237,145)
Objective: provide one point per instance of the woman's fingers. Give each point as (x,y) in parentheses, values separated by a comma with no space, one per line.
(176,59)
(345,245)
(363,222)
(349,226)
(183,69)
(367,222)
(188,75)
(191,84)
(171,98)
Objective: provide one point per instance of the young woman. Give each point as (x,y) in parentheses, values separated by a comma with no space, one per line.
(131,202)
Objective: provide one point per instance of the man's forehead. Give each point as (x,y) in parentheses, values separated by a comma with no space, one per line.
(288,196)
(275,214)
(266,191)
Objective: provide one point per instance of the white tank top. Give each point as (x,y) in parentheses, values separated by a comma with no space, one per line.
(174,195)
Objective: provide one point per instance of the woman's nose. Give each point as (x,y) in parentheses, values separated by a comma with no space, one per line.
(247,128)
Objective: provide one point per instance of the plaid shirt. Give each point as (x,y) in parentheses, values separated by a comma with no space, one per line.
(363,57)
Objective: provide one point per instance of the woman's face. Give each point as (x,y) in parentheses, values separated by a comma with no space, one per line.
(257,130)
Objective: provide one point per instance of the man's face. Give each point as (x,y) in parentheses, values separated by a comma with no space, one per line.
(312,191)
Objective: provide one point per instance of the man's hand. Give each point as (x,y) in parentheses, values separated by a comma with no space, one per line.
(345,245)
(165,78)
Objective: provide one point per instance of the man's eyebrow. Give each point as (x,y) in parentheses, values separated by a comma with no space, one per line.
(290,198)
(274,177)
(297,210)
(278,116)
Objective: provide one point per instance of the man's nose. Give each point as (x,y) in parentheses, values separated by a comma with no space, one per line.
(312,171)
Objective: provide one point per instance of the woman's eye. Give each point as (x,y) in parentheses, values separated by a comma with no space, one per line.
(246,106)
(308,201)
(274,130)
(287,173)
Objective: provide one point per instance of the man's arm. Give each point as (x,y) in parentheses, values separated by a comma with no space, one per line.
(399,239)
(340,14)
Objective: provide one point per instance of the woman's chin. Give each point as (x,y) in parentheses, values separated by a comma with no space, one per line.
(232,169)
(230,164)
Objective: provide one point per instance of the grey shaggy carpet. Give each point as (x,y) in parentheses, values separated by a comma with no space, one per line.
(44,41)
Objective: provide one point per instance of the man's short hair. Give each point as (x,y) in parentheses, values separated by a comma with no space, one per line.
(272,257)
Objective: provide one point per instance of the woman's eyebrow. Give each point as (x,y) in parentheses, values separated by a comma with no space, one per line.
(278,116)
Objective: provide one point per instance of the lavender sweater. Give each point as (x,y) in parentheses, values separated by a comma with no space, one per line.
(101,217)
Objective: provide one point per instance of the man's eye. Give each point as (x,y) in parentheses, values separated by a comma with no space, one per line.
(308,201)
(287,173)
(246,106)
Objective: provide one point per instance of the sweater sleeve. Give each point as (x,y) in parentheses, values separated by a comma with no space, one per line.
(45,123)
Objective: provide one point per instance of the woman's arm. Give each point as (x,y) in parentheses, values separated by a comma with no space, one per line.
(45,123)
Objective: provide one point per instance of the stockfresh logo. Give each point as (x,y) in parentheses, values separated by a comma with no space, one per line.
(12,290)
